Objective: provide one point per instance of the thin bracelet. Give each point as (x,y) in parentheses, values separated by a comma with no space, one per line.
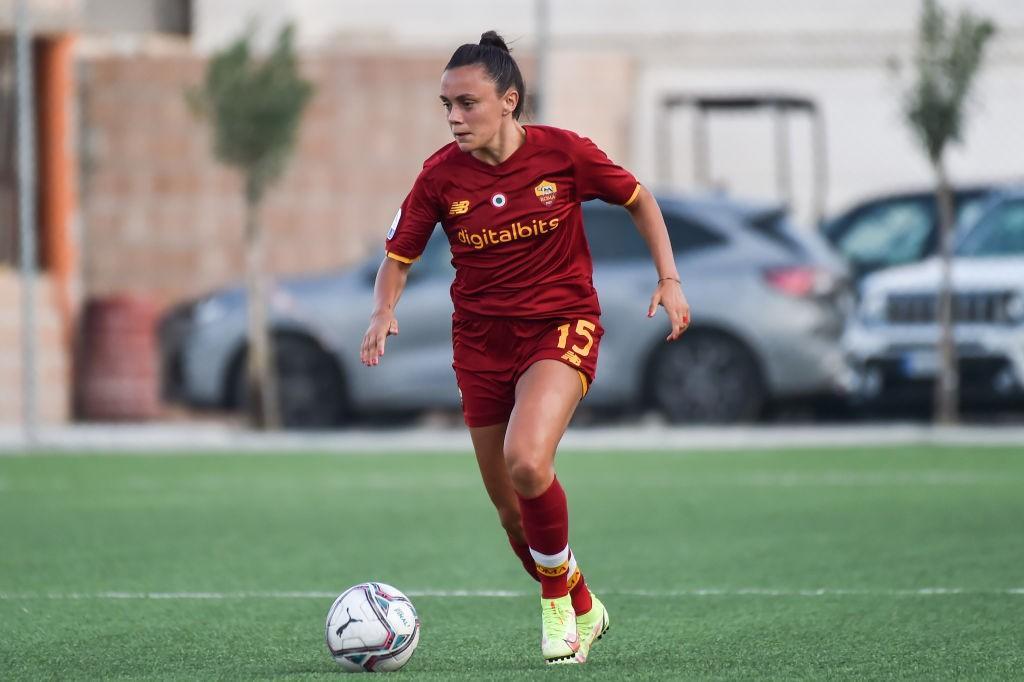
(671,278)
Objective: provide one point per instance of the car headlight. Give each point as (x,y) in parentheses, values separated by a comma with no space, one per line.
(209,311)
(872,308)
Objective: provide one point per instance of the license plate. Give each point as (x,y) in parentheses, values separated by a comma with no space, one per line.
(920,363)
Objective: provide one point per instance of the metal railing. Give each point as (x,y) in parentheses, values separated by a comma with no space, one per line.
(9,244)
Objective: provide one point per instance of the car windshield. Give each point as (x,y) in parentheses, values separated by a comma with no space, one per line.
(436,260)
(612,235)
(777,225)
(891,233)
(970,208)
(1000,233)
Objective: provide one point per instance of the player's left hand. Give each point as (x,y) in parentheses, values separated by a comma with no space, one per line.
(669,295)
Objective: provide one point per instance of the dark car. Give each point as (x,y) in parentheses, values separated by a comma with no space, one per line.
(897,229)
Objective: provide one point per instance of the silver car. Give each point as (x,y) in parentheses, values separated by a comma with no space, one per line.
(893,340)
(768,309)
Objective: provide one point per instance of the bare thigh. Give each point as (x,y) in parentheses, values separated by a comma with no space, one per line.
(546,398)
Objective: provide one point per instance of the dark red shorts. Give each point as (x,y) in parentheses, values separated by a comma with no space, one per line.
(490,356)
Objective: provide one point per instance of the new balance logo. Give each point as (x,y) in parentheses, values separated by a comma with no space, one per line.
(573,358)
(347,623)
(459,207)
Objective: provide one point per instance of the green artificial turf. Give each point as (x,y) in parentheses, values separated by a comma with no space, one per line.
(857,563)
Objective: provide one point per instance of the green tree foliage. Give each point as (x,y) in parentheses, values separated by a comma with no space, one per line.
(255,107)
(948,56)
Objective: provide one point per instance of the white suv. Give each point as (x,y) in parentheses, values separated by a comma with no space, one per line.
(892,340)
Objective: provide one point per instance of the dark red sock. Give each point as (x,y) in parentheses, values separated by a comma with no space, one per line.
(546,523)
(581,602)
(522,551)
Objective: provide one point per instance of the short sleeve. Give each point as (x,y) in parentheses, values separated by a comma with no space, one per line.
(414,223)
(598,177)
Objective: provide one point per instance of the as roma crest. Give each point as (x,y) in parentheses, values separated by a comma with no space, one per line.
(546,192)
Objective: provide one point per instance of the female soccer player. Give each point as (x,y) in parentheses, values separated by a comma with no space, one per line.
(526,328)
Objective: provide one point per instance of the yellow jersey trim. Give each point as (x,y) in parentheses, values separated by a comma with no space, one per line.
(586,386)
(400,259)
(633,197)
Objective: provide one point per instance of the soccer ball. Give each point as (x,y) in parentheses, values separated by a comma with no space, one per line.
(372,627)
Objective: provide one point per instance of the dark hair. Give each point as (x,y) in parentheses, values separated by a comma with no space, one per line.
(493,54)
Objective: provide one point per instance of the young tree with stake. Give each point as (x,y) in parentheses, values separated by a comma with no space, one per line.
(255,107)
(947,59)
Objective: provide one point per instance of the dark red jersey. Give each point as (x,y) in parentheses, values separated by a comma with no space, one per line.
(515,229)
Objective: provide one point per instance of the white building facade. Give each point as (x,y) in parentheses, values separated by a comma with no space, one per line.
(840,54)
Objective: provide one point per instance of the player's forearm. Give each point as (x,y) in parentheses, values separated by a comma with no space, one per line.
(391,278)
(651,224)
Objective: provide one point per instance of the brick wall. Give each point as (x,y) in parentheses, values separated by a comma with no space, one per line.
(594,94)
(53,385)
(163,219)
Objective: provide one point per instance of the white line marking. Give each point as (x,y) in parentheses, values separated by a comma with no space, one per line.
(205,439)
(790,479)
(202,485)
(696,592)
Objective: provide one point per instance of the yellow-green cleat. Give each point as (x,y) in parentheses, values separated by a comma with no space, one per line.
(559,640)
(591,627)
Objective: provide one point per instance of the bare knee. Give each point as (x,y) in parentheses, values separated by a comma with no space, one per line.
(529,467)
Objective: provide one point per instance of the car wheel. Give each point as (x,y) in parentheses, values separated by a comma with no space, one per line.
(311,393)
(706,377)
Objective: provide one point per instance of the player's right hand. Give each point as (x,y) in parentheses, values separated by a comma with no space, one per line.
(381,327)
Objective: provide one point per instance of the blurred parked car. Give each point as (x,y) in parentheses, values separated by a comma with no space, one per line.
(897,229)
(893,339)
(767,317)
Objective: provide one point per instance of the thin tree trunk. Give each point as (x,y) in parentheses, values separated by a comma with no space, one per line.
(948,379)
(261,375)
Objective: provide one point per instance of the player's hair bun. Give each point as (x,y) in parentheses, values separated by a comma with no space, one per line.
(492,53)
(492,39)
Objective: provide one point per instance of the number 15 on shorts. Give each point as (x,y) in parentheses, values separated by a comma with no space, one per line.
(583,332)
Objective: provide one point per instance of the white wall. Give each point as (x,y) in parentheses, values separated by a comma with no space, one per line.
(44,16)
(834,51)
(448,22)
(869,147)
